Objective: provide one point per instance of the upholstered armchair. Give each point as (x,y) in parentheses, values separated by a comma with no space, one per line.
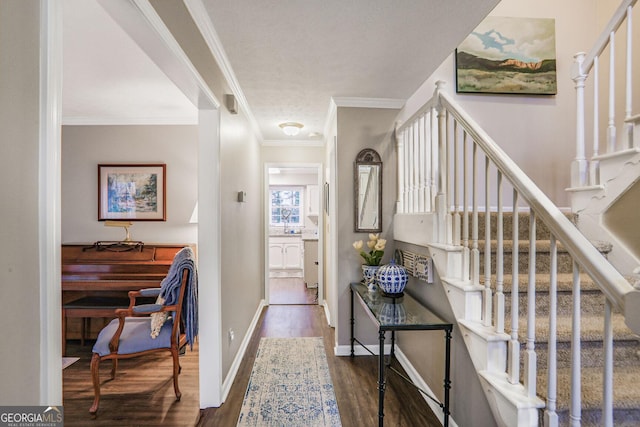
(167,326)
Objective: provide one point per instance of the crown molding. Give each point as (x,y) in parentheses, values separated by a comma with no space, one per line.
(201,18)
(124,121)
(355,102)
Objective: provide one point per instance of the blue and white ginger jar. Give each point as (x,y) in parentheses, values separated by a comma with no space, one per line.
(392,278)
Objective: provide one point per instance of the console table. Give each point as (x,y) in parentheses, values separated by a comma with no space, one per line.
(399,314)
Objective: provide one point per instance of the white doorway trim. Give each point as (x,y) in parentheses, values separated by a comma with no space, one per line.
(317,167)
(140,20)
(50,201)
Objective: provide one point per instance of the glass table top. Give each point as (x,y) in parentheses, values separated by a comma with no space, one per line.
(402,313)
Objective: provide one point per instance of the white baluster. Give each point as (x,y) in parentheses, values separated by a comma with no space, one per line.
(611,128)
(530,354)
(550,415)
(400,208)
(447,181)
(427,162)
(441,198)
(421,165)
(454,178)
(416,167)
(435,162)
(475,252)
(629,86)
(465,209)
(575,414)
(514,345)
(407,158)
(411,167)
(594,167)
(607,386)
(499,296)
(487,297)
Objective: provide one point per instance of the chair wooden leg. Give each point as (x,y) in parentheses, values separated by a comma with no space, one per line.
(176,372)
(95,377)
(114,367)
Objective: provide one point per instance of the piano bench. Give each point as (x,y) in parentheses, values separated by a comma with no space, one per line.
(86,308)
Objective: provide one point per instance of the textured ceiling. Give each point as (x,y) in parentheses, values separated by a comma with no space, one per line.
(108,79)
(289,57)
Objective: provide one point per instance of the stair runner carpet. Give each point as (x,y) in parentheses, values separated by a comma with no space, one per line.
(626,384)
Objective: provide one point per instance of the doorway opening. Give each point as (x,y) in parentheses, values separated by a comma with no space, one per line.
(293,258)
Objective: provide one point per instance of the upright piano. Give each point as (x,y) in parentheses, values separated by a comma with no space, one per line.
(96,279)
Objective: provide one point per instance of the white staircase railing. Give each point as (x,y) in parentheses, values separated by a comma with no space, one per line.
(448,166)
(587,172)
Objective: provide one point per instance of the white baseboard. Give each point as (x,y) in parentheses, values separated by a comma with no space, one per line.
(327,313)
(419,382)
(231,376)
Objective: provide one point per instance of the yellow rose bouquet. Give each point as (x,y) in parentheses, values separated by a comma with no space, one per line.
(376,249)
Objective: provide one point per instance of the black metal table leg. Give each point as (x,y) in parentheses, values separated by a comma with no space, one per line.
(381,381)
(393,346)
(352,325)
(447,373)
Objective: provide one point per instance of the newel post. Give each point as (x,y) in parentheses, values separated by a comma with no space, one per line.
(441,197)
(579,167)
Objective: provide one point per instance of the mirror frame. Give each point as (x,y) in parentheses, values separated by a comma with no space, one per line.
(371,157)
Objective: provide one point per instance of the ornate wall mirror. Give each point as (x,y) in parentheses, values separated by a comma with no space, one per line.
(368,191)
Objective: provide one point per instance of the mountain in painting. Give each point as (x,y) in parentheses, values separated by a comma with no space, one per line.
(467,61)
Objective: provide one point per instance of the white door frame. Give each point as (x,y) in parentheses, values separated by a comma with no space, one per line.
(318,168)
(143,24)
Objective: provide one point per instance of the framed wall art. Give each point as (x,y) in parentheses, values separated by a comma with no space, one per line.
(508,56)
(135,192)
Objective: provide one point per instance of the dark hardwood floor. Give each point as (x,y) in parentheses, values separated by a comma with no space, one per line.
(142,393)
(354,379)
(291,290)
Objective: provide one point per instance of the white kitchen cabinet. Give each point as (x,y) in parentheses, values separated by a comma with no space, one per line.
(276,255)
(292,255)
(313,200)
(285,256)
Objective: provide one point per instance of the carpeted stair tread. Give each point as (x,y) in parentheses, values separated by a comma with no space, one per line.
(541,246)
(564,282)
(591,328)
(626,393)
(626,345)
(542,232)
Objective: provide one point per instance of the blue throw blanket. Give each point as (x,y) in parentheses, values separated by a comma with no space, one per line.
(170,291)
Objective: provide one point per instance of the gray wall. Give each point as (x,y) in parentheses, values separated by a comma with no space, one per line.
(526,126)
(19,211)
(84,147)
(242,252)
(360,128)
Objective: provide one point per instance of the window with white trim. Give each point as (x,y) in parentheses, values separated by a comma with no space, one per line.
(286,205)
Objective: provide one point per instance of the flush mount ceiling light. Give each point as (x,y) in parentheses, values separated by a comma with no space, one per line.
(291,128)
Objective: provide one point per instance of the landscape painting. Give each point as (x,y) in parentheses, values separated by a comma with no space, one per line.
(508,55)
(131,192)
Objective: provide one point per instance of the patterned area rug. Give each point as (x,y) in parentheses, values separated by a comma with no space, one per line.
(290,385)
